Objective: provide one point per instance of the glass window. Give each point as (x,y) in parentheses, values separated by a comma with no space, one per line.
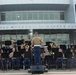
(24,15)
(2,16)
(7,37)
(18,16)
(35,16)
(40,15)
(53,37)
(46,15)
(3,37)
(56,15)
(14,37)
(61,15)
(32,15)
(46,37)
(8,16)
(51,15)
(65,38)
(29,15)
(18,36)
(13,15)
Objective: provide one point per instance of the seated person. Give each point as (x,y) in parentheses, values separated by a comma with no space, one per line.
(48,58)
(46,51)
(69,56)
(4,58)
(22,39)
(68,53)
(12,53)
(27,56)
(60,53)
(15,59)
(59,58)
(1,51)
(49,47)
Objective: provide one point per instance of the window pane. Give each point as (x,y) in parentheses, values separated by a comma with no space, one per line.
(24,16)
(51,15)
(18,16)
(40,15)
(2,16)
(29,15)
(61,15)
(35,16)
(56,15)
(53,37)
(46,37)
(46,17)
(8,16)
(13,15)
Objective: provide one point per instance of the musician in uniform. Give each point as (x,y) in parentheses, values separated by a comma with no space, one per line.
(27,56)
(1,51)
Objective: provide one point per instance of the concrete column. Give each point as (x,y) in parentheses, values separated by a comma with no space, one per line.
(70,13)
(71,35)
(75,37)
(0,17)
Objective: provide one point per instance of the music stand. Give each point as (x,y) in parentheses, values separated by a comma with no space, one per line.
(71,46)
(5,50)
(55,50)
(63,47)
(28,42)
(47,43)
(19,42)
(8,42)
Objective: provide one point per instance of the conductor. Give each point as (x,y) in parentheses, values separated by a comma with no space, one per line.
(36,39)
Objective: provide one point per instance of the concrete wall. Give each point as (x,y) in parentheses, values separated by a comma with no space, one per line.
(70,13)
(75,2)
(37,26)
(0,17)
(2,2)
(75,14)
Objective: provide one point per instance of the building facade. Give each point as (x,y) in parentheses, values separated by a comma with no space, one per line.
(54,20)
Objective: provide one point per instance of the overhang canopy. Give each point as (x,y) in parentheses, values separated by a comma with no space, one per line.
(20,7)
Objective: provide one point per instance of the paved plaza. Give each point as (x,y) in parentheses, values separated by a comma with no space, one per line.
(50,72)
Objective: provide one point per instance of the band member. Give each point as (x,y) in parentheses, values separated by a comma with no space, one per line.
(22,38)
(29,38)
(12,40)
(11,54)
(53,45)
(27,56)
(1,51)
(15,59)
(48,59)
(36,39)
(22,45)
(69,56)
(59,58)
